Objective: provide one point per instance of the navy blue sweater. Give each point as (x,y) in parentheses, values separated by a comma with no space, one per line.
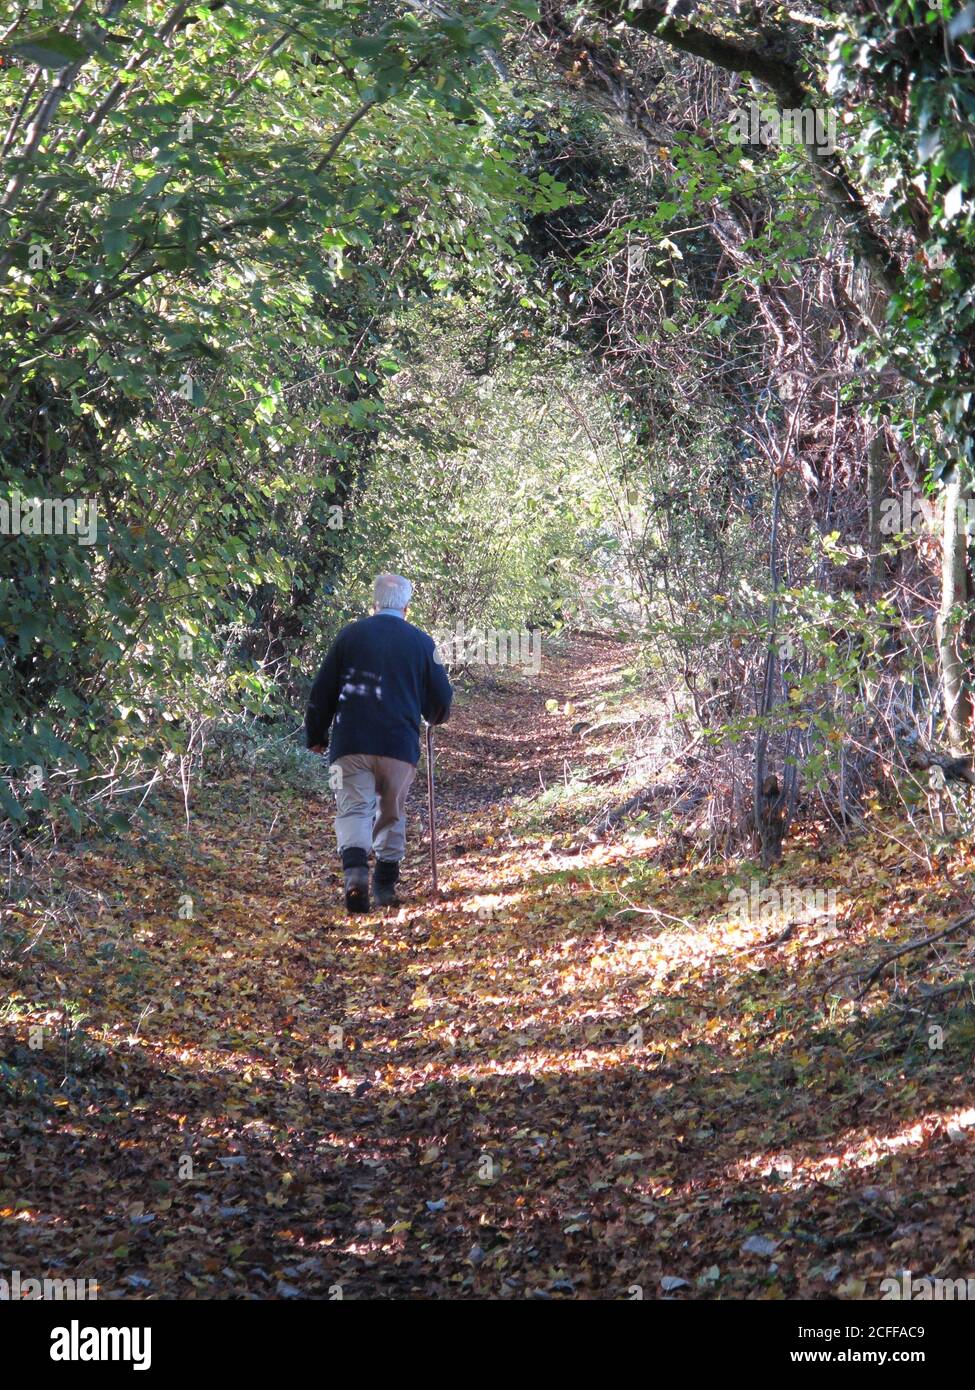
(378,677)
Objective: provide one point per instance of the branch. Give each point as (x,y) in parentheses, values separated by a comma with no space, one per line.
(47,108)
(220,233)
(781,76)
(917,945)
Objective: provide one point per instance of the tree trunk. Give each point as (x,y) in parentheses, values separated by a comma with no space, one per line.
(953,625)
(876,479)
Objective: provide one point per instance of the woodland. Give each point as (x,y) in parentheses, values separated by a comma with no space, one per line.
(643,336)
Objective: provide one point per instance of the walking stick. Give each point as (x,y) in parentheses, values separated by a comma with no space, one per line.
(431,809)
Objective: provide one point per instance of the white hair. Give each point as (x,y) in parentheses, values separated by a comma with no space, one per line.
(391,591)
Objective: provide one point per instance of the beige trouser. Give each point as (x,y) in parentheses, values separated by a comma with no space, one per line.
(361,823)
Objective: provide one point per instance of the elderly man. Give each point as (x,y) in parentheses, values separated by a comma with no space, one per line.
(379,676)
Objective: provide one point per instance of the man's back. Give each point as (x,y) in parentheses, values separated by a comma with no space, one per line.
(379,677)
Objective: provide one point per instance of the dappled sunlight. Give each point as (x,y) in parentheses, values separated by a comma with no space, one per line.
(572,405)
(575,1048)
(864,1149)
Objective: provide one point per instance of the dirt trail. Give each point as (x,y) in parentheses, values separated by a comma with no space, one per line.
(528,1089)
(502,741)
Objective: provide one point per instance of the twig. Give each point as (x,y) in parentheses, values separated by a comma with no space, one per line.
(904,950)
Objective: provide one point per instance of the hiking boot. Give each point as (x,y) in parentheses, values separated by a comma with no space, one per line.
(356,867)
(384,879)
(357,890)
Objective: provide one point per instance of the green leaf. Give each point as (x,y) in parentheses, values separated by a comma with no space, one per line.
(49,49)
(10,803)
